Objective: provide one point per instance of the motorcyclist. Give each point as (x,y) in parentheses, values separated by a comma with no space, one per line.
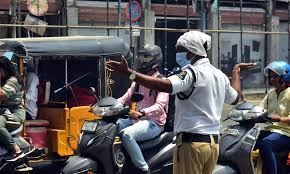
(148,120)
(276,137)
(12,105)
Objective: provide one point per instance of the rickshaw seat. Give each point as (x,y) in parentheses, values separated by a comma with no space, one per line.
(37,131)
(36,123)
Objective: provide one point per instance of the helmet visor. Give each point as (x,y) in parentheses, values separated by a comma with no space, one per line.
(276,68)
(143,60)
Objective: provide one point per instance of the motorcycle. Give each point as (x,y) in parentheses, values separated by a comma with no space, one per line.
(21,165)
(101,152)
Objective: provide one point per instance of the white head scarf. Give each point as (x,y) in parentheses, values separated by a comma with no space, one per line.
(193,41)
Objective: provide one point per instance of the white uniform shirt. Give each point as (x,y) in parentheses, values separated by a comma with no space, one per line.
(201,112)
(31,94)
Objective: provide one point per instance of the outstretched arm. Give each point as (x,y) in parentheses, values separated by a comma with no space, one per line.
(150,82)
(236,81)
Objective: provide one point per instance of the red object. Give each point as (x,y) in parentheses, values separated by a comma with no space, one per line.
(80,97)
(36,130)
(136,11)
(43,92)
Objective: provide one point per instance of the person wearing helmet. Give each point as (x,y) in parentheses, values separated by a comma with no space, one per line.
(149,119)
(276,137)
(201,90)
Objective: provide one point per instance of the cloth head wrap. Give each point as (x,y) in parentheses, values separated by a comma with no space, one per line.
(196,42)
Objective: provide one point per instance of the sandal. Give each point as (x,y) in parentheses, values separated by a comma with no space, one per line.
(16,156)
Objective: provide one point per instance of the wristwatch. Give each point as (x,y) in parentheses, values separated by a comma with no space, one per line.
(142,112)
(133,75)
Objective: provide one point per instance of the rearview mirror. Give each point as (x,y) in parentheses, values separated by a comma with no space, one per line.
(92,90)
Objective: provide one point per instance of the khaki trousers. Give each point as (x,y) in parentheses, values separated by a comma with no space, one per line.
(195,157)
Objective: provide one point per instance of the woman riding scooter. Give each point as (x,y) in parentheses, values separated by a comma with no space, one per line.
(11,106)
(148,120)
(276,137)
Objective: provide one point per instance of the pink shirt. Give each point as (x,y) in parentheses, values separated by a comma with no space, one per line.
(153,104)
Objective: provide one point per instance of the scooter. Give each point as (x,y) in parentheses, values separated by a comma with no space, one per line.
(101,152)
(237,141)
(20,165)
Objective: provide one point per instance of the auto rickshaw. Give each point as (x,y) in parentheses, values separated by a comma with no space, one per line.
(65,61)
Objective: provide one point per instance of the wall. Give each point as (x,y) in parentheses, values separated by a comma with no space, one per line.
(4,30)
(253,51)
(283,41)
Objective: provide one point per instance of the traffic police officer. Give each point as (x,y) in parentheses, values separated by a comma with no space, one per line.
(201,91)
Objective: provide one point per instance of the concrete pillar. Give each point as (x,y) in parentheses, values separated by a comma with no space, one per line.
(213,54)
(148,36)
(273,40)
(72,17)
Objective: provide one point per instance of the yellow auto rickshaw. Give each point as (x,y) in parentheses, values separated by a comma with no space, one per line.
(61,62)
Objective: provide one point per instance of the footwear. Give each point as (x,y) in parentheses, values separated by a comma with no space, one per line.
(23,168)
(143,171)
(16,157)
(147,172)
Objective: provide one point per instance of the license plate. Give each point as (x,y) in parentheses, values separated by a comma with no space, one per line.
(89,126)
(233,132)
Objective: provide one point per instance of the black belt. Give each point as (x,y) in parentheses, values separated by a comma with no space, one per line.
(192,137)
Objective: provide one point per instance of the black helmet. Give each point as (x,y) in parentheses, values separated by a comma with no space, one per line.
(149,57)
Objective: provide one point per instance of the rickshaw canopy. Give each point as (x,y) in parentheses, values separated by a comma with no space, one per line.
(67,46)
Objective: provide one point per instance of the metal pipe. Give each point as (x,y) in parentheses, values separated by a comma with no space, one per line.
(202,16)
(108,30)
(289,31)
(187,15)
(119,17)
(66,81)
(165,37)
(131,37)
(241,28)
(142,28)
(14,17)
(266,44)
(218,14)
(19,17)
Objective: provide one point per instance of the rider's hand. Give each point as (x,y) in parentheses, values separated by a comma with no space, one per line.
(275,118)
(121,67)
(237,68)
(135,114)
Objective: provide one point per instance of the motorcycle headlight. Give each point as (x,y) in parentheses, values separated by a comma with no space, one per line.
(100,110)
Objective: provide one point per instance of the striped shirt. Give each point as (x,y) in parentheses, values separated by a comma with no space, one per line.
(14,97)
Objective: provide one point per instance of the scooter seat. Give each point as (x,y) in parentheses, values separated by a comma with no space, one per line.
(159,141)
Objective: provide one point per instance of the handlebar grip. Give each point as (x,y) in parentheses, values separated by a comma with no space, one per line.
(133,106)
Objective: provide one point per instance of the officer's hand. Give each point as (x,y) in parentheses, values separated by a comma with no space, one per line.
(275,118)
(135,114)
(116,66)
(237,68)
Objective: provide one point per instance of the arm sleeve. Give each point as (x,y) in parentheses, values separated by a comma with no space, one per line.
(11,87)
(231,93)
(263,103)
(127,96)
(32,84)
(181,82)
(158,108)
